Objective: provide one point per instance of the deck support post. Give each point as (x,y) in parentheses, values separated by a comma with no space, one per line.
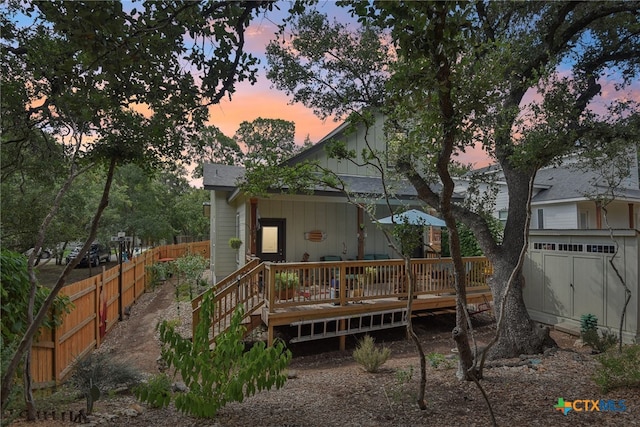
(270,336)
(343,338)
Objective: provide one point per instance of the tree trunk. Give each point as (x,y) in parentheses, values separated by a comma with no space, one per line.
(520,334)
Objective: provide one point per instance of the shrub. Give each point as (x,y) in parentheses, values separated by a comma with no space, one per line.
(591,337)
(156,391)
(619,369)
(370,357)
(220,375)
(99,373)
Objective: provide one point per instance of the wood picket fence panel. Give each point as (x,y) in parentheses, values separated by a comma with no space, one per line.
(55,351)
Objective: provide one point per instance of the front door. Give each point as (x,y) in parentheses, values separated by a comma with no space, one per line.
(271,239)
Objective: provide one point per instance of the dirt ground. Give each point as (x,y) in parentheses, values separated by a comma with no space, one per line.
(326,387)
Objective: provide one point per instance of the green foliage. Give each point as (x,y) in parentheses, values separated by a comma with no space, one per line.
(590,335)
(287,280)
(14,294)
(600,342)
(99,373)
(16,390)
(619,369)
(369,356)
(159,272)
(156,391)
(222,374)
(329,67)
(190,267)
(437,360)
(404,375)
(468,243)
(588,322)
(409,236)
(235,243)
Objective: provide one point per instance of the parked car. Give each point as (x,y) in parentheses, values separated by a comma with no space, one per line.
(96,254)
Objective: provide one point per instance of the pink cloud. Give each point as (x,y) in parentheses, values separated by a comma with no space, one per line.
(250,102)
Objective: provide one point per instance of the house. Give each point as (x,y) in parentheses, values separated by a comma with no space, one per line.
(285,227)
(565,196)
(570,269)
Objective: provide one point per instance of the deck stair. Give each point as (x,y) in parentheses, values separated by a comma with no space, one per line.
(316,329)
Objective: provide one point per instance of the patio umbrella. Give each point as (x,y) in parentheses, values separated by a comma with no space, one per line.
(413,217)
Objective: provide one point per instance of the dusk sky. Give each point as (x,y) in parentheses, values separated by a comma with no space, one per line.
(261,100)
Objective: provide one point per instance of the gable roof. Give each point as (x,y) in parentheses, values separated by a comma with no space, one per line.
(221,177)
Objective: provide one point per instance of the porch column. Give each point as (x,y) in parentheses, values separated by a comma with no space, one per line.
(253,226)
(360,222)
(631,224)
(598,216)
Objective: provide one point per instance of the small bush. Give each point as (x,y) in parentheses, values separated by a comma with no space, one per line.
(404,376)
(437,360)
(591,337)
(156,392)
(619,369)
(598,342)
(98,374)
(370,357)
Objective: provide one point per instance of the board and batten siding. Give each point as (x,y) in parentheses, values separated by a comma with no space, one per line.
(333,216)
(355,140)
(565,280)
(223,226)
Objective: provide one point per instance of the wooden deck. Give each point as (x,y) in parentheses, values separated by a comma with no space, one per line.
(342,290)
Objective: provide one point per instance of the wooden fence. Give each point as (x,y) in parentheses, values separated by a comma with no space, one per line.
(55,351)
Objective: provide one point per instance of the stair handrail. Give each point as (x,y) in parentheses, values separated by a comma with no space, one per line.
(246,277)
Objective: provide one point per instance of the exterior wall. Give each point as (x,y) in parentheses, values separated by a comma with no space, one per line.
(333,216)
(562,284)
(223,227)
(355,140)
(555,216)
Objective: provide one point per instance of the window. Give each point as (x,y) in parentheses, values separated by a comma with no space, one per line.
(502,215)
(583,220)
(540,219)
(569,247)
(601,249)
(545,246)
(269,240)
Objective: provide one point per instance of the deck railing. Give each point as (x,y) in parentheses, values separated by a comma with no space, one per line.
(240,288)
(340,282)
(282,286)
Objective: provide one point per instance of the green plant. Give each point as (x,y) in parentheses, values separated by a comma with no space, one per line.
(156,391)
(14,290)
(235,243)
(588,322)
(368,356)
(223,374)
(99,373)
(618,369)
(437,360)
(190,268)
(287,280)
(592,337)
(160,272)
(404,376)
